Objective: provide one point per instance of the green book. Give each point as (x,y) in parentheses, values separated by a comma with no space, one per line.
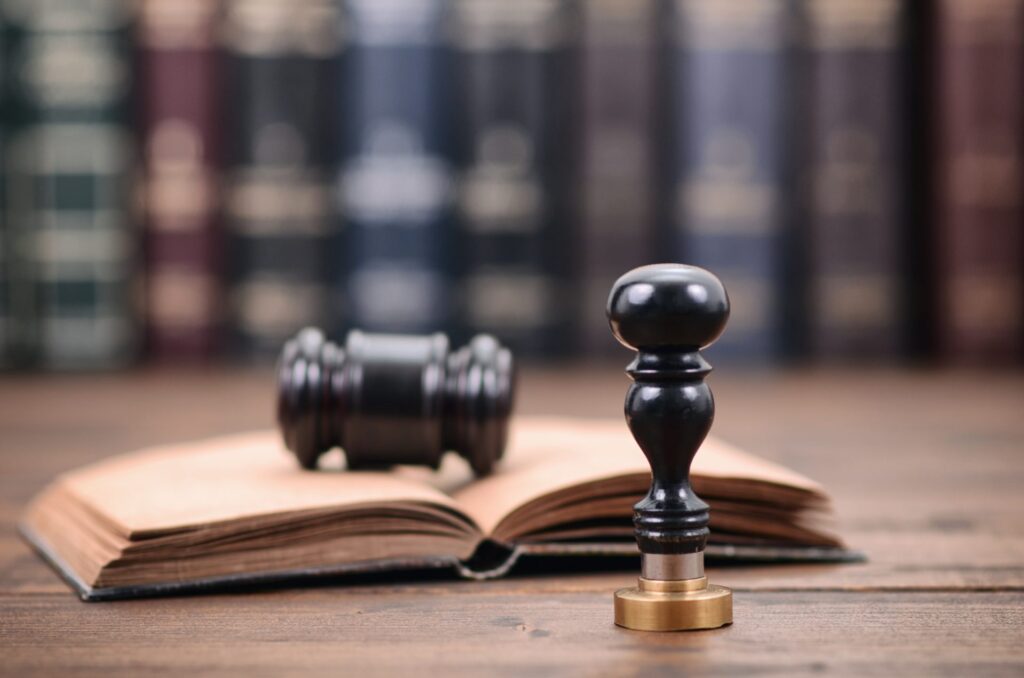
(67,167)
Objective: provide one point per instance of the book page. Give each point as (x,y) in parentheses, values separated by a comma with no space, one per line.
(175,487)
(554,455)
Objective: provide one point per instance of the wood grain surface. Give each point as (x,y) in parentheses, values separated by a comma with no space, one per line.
(927,470)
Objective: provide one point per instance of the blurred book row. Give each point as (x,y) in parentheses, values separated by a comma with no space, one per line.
(196,179)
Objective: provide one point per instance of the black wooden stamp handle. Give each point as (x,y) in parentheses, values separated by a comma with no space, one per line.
(667,313)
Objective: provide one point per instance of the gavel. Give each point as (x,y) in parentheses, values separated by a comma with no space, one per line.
(389,399)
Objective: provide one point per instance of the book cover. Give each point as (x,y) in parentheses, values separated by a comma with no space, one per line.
(618,76)
(178,93)
(854,170)
(724,202)
(515,154)
(394,182)
(979,273)
(279,94)
(68,165)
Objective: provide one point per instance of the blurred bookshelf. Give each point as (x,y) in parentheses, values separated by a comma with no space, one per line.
(192,181)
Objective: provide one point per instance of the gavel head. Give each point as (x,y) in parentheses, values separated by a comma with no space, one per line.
(393,399)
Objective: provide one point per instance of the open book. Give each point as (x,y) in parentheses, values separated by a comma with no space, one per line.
(239,509)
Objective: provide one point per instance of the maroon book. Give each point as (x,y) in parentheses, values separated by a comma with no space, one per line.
(178,89)
(980,127)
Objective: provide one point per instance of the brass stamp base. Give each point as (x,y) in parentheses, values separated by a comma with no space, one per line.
(682,605)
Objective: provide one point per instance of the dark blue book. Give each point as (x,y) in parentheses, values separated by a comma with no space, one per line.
(68,160)
(515,149)
(854,173)
(724,199)
(279,75)
(395,184)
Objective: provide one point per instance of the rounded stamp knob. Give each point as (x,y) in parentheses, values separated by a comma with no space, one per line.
(667,306)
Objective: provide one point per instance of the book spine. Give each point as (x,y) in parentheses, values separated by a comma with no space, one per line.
(68,165)
(280,60)
(854,168)
(179,104)
(726,166)
(515,149)
(394,180)
(618,60)
(5,251)
(980,252)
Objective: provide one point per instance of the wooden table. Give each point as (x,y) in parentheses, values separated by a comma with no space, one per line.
(927,470)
